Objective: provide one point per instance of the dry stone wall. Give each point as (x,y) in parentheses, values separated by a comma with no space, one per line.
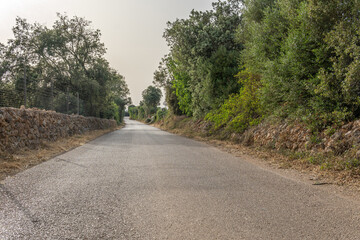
(21,128)
(297,137)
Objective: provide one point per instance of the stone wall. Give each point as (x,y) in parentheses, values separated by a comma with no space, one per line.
(20,128)
(297,137)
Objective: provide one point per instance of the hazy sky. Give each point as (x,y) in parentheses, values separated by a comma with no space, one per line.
(131,29)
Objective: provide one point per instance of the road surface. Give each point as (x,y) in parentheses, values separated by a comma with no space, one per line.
(143,183)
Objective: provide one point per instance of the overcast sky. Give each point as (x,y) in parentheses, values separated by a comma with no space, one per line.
(131,29)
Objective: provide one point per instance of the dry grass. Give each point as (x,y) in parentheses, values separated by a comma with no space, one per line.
(11,164)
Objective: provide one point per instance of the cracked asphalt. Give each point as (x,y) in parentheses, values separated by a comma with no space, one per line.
(144,183)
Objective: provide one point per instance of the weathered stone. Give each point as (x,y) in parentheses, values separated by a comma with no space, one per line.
(348,133)
(336,136)
(28,127)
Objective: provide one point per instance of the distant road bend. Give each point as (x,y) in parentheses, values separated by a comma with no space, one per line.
(143,183)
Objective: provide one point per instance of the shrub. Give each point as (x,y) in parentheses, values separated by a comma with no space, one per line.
(241,110)
(161,113)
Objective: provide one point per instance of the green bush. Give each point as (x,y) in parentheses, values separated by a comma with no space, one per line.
(161,113)
(307,53)
(241,110)
(112,112)
(133,112)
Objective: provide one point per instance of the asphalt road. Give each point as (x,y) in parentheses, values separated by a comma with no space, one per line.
(143,183)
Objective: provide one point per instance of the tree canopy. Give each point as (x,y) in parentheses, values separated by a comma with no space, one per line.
(66,59)
(203,59)
(148,106)
(244,61)
(151,96)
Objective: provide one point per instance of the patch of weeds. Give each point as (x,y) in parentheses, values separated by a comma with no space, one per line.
(315,139)
(316,160)
(329,131)
(326,166)
(271,145)
(296,155)
(285,165)
(352,163)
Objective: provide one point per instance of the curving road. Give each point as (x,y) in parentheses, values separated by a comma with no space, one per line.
(143,183)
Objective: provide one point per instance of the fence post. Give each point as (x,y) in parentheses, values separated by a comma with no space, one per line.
(78,104)
(52,94)
(67,100)
(25,90)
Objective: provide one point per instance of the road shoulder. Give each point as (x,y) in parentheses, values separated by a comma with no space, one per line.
(11,164)
(278,164)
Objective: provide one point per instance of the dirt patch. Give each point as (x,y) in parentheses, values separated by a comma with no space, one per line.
(10,164)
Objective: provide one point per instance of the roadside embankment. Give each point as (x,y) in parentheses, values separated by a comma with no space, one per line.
(31,136)
(332,154)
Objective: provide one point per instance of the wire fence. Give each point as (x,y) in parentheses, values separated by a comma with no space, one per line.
(46,97)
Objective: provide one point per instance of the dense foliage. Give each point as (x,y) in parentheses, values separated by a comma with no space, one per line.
(203,59)
(59,63)
(294,59)
(241,110)
(148,109)
(151,99)
(307,54)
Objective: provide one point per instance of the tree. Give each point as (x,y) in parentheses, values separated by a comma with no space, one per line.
(201,80)
(133,112)
(164,78)
(306,53)
(74,53)
(151,99)
(56,64)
